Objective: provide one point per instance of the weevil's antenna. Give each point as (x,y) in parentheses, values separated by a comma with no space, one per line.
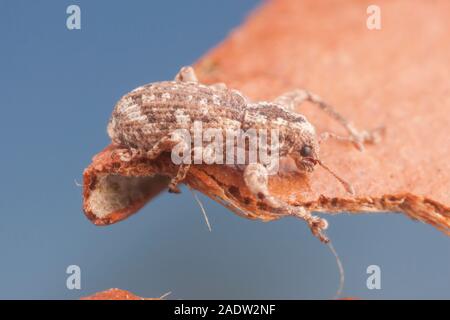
(165,295)
(77,183)
(348,187)
(202,208)
(341,271)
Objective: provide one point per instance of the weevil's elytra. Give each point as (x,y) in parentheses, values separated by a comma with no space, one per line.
(144,121)
(160,108)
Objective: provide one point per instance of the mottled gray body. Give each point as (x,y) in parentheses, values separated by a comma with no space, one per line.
(152,112)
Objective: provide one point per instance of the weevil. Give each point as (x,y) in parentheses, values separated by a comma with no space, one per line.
(144,121)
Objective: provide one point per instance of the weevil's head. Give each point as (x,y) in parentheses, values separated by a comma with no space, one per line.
(307,156)
(305,151)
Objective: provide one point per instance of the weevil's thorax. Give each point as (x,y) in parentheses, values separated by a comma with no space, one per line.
(293,129)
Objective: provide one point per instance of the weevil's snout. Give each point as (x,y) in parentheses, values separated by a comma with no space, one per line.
(307,156)
(307,163)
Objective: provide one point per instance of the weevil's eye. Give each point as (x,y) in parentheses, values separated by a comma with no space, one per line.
(306,151)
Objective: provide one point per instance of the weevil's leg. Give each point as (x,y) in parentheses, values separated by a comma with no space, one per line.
(219,86)
(181,174)
(186,74)
(127,154)
(324,136)
(292,99)
(372,136)
(207,157)
(256,179)
(167,144)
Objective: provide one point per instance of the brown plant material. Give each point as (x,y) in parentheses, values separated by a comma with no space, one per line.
(116,294)
(397,77)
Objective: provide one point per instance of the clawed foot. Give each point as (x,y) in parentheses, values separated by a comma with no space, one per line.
(372,136)
(174,188)
(317,226)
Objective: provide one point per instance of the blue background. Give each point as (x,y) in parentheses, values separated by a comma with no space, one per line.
(57,90)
